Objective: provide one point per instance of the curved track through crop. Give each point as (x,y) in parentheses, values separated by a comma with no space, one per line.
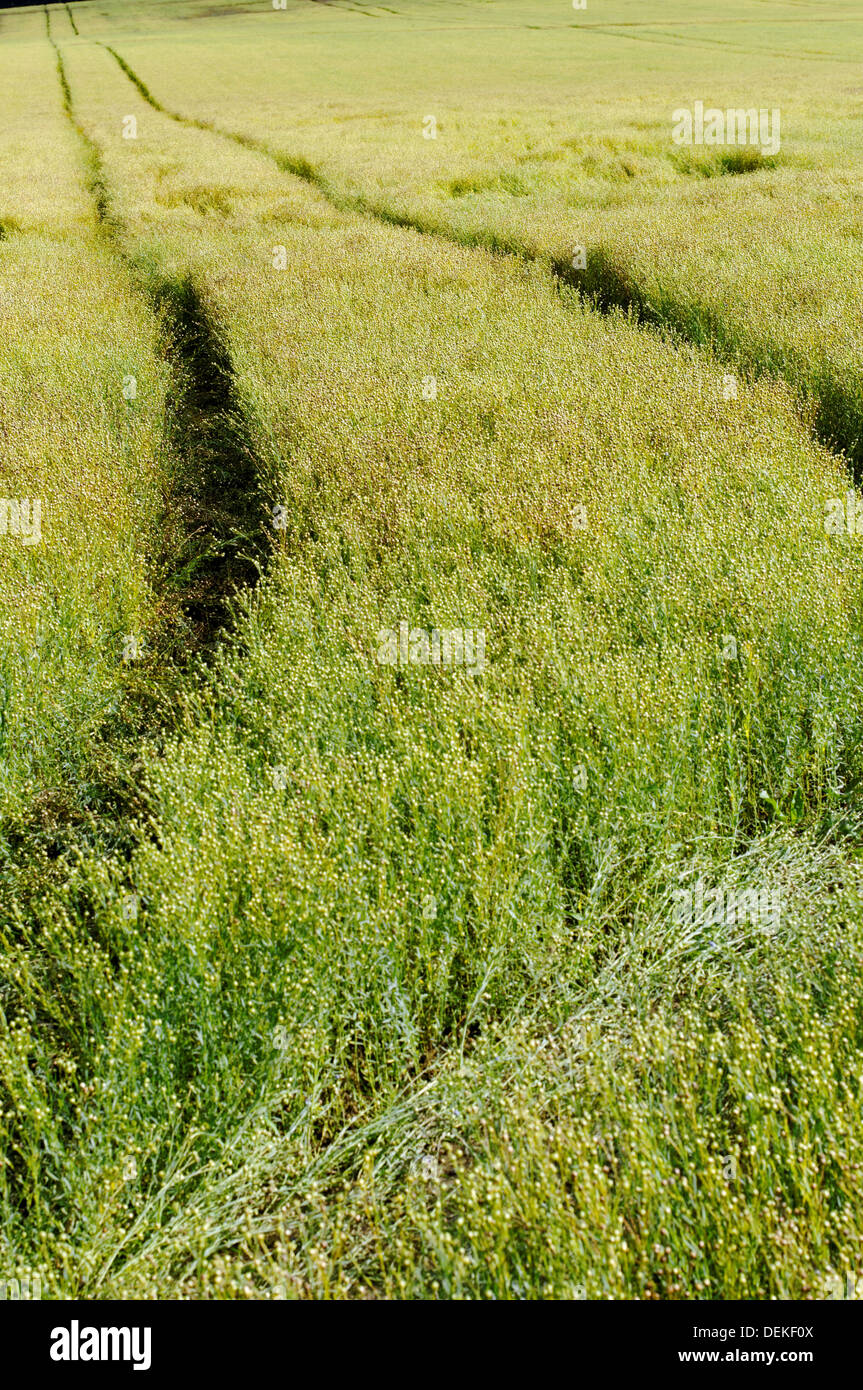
(604,283)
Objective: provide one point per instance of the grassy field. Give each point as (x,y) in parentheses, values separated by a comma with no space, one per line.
(432,725)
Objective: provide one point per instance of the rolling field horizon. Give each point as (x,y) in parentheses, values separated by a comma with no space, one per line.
(432,676)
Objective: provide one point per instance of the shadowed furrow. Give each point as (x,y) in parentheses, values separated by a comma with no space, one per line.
(219,491)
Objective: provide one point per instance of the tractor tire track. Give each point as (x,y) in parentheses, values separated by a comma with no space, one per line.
(218,472)
(212,553)
(836,415)
(667,38)
(213,546)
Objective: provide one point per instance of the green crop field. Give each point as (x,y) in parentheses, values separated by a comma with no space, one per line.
(431,687)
